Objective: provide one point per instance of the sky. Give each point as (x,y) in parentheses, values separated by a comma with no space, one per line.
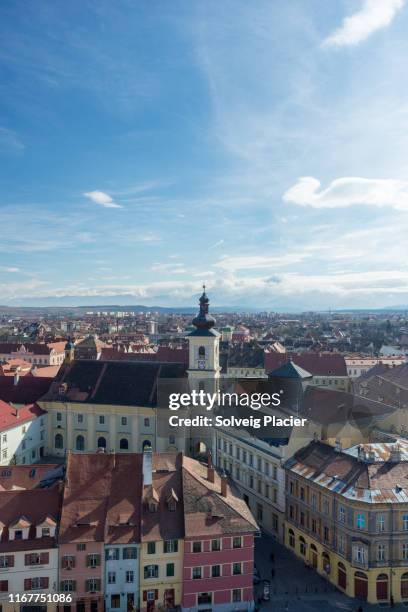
(259,147)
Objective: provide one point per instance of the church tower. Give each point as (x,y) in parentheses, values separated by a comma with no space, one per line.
(204,345)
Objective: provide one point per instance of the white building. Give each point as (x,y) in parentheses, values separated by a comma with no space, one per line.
(22,433)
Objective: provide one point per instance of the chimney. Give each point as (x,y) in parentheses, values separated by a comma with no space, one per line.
(337,446)
(16,378)
(224,480)
(147,466)
(210,468)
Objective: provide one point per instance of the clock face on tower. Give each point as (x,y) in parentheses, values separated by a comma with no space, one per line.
(201,364)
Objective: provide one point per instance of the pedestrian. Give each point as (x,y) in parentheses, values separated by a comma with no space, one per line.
(272,573)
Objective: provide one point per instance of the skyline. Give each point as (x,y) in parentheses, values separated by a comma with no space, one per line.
(260,150)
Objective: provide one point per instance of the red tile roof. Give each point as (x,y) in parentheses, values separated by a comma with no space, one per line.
(318,364)
(28,390)
(10,416)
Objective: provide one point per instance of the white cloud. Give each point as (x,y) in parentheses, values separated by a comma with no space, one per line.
(348,191)
(10,269)
(102,198)
(373,15)
(257,262)
(169,268)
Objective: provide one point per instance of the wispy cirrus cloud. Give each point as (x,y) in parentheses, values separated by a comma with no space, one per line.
(373,15)
(349,191)
(102,199)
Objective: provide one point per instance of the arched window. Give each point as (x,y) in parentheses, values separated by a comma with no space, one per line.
(404,586)
(302,545)
(291,538)
(341,575)
(123,444)
(80,443)
(382,587)
(59,441)
(201,351)
(101,442)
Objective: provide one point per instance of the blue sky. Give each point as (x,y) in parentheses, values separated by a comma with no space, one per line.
(261,147)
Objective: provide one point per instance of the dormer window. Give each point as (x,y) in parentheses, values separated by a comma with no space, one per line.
(18,534)
(152,507)
(172,506)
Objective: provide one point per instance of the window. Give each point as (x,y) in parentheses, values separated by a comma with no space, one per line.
(170,546)
(130,576)
(101,419)
(314,501)
(302,546)
(123,444)
(124,420)
(381,522)
(59,416)
(151,571)
(291,538)
(314,525)
(59,441)
(302,493)
(342,514)
(170,569)
(101,442)
(92,585)
(150,595)
(215,571)
(326,506)
(236,569)
(237,542)
(359,554)
(151,548)
(172,439)
(342,544)
(147,422)
(236,595)
(112,554)
(80,443)
(68,561)
(204,598)
(196,573)
(405,552)
(81,546)
(111,577)
(68,586)
(93,560)
(361,521)
(80,418)
(215,545)
(201,351)
(259,513)
(326,534)
(196,547)
(381,552)
(238,453)
(18,534)
(405,522)
(130,553)
(6,561)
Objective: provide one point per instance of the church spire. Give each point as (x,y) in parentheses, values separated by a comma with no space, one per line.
(204,320)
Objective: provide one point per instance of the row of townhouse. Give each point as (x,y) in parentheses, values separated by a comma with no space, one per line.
(137,531)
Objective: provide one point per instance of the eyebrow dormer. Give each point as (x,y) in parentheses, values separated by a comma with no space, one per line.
(172,500)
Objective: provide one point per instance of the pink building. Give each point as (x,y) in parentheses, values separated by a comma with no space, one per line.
(219,543)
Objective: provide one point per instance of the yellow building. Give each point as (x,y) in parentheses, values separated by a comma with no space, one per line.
(347,517)
(106,404)
(162,532)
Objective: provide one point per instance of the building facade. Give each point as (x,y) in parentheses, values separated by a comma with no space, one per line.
(347,517)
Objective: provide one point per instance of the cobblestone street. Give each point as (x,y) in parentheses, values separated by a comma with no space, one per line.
(296,588)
